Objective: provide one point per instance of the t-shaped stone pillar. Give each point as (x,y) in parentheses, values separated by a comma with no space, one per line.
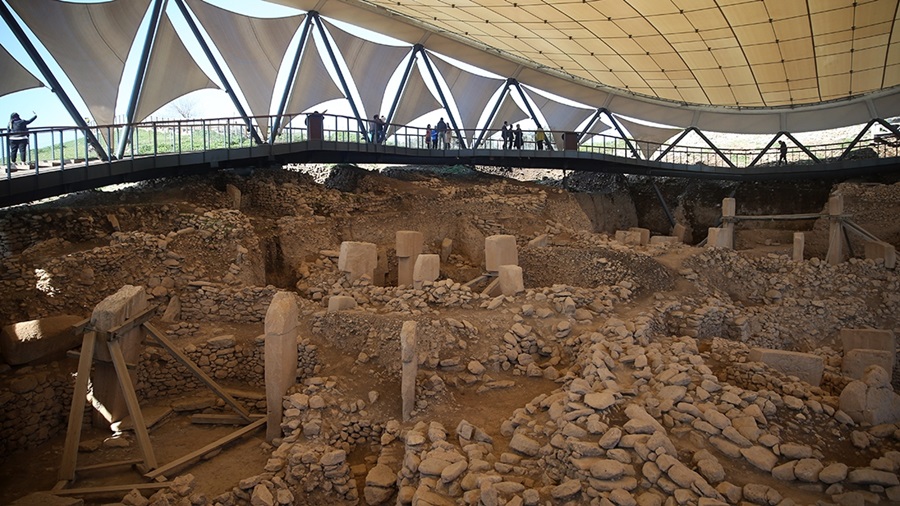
(280,357)
(409,246)
(500,250)
(835,253)
(358,259)
(111,312)
(728,212)
(409,359)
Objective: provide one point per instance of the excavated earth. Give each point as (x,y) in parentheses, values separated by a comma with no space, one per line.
(620,376)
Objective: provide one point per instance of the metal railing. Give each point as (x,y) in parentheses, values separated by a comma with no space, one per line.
(58,148)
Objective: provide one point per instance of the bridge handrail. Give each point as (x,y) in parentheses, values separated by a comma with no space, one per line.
(186,135)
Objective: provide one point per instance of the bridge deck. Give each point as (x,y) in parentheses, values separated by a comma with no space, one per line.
(21,187)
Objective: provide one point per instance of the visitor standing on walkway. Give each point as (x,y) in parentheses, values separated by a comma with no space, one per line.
(518,138)
(18,137)
(441,134)
(782,148)
(428,132)
(539,138)
(506,134)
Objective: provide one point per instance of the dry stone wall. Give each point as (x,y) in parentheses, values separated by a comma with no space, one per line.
(34,405)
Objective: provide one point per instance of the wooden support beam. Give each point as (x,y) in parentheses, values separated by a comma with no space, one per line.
(79,327)
(133,322)
(106,465)
(76,411)
(202,376)
(220,419)
(111,489)
(131,401)
(197,455)
(475,281)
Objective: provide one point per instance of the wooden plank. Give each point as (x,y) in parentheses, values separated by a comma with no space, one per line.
(475,281)
(131,401)
(76,411)
(220,419)
(111,489)
(134,321)
(808,216)
(197,455)
(202,376)
(80,326)
(105,465)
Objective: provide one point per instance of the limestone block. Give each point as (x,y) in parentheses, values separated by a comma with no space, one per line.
(882,250)
(341,303)
(446,249)
(664,239)
(835,253)
(511,280)
(871,401)
(540,241)
(644,234)
(869,339)
(856,361)
(717,238)
(409,243)
(679,231)
(500,250)
(234,194)
(806,366)
(799,245)
(629,237)
(24,342)
(358,259)
(729,205)
(427,268)
(409,367)
(280,357)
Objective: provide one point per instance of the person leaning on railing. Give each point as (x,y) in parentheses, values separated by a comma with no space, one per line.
(18,136)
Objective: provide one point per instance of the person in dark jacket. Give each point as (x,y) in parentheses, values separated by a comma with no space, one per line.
(18,136)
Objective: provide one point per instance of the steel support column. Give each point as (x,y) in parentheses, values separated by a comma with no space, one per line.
(276,121)
(618,128)
(462,138)
(218,69)
(140,74)
(403,80)
(662,202)
(493,114)
(337,68)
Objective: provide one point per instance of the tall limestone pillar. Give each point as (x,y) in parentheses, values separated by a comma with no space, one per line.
(835,230)
(410,367)
(728,212)
(280,357)
(409,247)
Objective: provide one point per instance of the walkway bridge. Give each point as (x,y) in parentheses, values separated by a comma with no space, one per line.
(62,161)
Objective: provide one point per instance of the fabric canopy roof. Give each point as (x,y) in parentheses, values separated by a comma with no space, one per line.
(253,48)
(415,101)
(90,42)
(719,65)
(650,137)
(162,86)
(15,76)
(371,65)
(313,85)
(474,90)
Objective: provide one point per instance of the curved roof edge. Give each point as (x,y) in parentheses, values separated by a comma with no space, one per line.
(814,117)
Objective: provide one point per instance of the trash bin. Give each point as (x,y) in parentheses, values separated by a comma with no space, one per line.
(570,140)
(315,126)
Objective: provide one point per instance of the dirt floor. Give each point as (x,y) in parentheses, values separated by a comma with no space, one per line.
(285,233)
